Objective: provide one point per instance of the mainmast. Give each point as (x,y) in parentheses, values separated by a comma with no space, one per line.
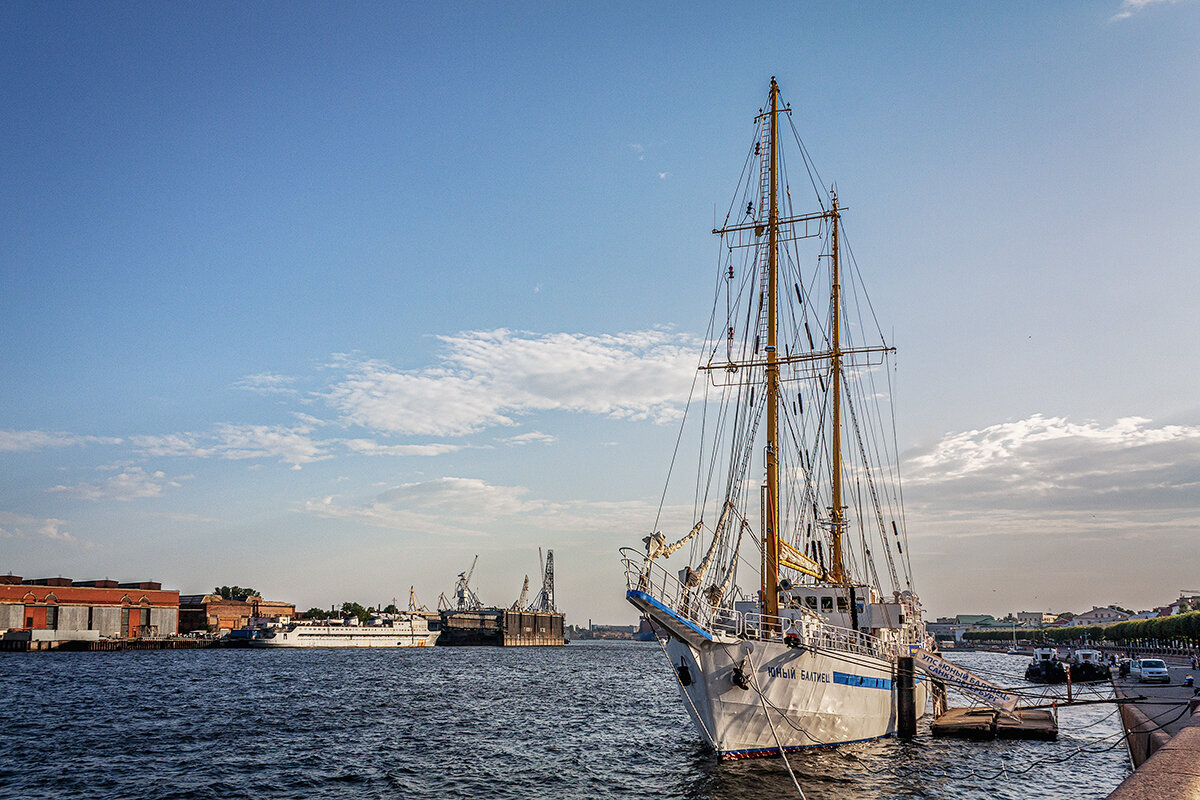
(837,571)
(770,578)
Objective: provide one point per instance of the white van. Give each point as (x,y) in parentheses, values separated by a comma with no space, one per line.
(1150,670)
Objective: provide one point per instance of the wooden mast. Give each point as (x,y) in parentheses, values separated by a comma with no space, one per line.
(837,570)
(770,578)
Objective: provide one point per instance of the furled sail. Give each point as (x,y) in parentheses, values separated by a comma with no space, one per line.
(656,545)
(718,590)
(692,577)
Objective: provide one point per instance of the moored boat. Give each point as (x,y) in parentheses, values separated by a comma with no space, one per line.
(405,629)
(1088,665)
(805,653)
(1045,667)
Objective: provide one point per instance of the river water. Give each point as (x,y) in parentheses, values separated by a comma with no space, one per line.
(592,719)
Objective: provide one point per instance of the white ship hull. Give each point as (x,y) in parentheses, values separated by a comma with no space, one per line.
(808,699)
(795,697)
(347,636)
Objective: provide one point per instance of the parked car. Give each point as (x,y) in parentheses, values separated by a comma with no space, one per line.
(1150,670)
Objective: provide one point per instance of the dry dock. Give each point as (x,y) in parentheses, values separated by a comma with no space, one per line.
(500,627)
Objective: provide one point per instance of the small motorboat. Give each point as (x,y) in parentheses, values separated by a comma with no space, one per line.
(1088,666)
(1046,667)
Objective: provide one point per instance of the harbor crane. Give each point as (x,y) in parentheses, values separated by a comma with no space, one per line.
(465,598)
(414,604)
(545,600)
(520,604)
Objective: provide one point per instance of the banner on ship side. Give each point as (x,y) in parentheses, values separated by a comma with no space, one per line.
(963,680)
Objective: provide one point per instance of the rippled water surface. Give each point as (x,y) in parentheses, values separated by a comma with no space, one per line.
(592,719)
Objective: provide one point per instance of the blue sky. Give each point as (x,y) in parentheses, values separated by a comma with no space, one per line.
(327,299)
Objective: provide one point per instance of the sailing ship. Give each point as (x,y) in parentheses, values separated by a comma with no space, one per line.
(807,655)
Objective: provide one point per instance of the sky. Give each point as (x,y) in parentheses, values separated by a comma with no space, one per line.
(328,299)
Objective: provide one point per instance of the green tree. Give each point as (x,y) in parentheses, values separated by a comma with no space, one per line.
(236,592)
(355,610)
(317,613)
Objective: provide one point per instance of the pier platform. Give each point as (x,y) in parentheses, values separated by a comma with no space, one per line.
(985,724)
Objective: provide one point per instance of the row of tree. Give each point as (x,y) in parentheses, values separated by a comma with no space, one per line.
(1180,627)
(349,609)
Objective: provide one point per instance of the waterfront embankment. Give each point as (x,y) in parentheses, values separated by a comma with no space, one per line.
(1163,733)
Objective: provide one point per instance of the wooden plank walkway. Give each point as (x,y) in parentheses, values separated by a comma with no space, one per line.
(985,724)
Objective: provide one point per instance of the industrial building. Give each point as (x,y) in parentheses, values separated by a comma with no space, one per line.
(60,609)
(216,614)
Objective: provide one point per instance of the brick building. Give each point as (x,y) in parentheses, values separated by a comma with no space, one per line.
(60,608)
(211,612)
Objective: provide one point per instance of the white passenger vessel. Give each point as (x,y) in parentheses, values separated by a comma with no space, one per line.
(406,629)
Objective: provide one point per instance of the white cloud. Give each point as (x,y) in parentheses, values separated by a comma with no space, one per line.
(370,447)
(487,378)
(1130,7)
(1051,508)
(133,483)
(22,526)
(1045,476)
(1041,453)
(533,437)
(25,441)
(291,445)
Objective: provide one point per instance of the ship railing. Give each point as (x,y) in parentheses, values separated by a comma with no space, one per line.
(686,602)
(817,635)
(689,604)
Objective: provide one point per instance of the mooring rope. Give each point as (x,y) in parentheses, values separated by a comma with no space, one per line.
(767,714)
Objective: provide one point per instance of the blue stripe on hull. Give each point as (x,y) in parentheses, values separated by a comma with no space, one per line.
(861,680)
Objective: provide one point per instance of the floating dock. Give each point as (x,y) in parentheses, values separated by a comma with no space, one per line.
(985,724)
(501,627)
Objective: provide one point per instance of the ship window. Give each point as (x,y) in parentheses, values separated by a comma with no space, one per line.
(811,601)
(826,603)
(843,604)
